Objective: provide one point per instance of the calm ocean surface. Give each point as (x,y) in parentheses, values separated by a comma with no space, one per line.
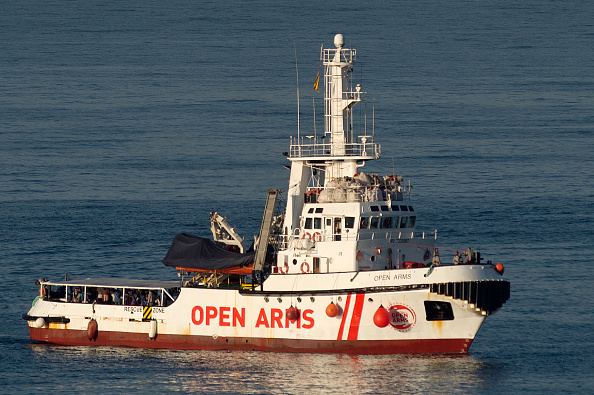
(124,124)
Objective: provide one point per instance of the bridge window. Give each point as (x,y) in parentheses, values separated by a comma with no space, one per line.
(374,223)
(319,210)
(395,207)
(317,223)
(413,220)
(403,208)
(308,223)
(349,222)
(385,222)
(374,208)
(385,208)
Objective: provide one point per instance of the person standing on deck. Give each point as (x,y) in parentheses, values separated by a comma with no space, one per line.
(436,260)
(469,256)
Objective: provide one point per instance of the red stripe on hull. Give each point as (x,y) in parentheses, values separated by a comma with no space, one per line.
(344,315)
(357,310)
(70,337)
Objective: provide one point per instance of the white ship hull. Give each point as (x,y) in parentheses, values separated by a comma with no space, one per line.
(215,318)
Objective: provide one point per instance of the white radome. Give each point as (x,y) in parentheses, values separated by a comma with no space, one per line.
(339,40)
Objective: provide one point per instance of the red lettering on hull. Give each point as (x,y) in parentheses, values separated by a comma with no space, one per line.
(262,319)
(197,309)
(224,316)
(232,317)
(308,321)
(276,316)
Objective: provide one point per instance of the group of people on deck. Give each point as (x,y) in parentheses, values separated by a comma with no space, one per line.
(469,254)
(113,296)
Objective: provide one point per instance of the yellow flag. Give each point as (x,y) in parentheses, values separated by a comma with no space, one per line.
(317,81)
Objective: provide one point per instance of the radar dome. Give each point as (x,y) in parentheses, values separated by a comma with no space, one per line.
(339,41)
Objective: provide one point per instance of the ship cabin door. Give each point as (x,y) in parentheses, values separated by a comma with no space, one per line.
(334,227)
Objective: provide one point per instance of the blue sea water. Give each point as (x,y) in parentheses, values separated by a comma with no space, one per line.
(125,123)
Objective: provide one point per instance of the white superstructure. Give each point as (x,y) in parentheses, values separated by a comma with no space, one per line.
(338,218)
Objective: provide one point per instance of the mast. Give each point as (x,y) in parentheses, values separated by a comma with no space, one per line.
(335,154)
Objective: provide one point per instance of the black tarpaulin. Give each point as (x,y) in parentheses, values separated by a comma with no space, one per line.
(195,252)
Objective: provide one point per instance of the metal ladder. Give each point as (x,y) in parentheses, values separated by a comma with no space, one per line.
(264,237)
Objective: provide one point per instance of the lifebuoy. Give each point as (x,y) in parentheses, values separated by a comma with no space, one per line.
(317,237)
(284,269)
(306,234)
(305,267)
(359,256)
(378,251)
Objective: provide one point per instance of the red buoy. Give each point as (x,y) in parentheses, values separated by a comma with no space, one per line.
(500,269)
(332,310)
(292,313)
(381,318)
(92,330)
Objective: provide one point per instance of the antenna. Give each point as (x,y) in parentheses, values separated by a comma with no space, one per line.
(393,168)
(298,113)
(373,121)
(313,101)
(365,104)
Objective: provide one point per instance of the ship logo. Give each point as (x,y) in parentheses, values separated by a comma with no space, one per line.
(402,317)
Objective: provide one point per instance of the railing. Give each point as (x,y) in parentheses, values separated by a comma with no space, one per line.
(308,238)
(367,150)
(355,194)
(347,55)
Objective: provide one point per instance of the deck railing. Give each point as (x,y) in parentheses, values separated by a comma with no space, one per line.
(318,235)
(355,194)
(299,149)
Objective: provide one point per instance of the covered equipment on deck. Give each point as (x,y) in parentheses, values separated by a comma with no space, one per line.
(188,251)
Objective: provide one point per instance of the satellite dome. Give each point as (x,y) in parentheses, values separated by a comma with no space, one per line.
(339,41)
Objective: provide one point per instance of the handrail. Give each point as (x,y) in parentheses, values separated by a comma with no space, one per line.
(301,150)
(355,193)
(322,236)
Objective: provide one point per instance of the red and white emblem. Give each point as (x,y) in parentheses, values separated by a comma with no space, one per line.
(402,317)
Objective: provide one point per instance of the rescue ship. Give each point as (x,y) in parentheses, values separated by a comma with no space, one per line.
(342,269)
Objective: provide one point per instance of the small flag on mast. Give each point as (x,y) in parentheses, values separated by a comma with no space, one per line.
(317,82)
